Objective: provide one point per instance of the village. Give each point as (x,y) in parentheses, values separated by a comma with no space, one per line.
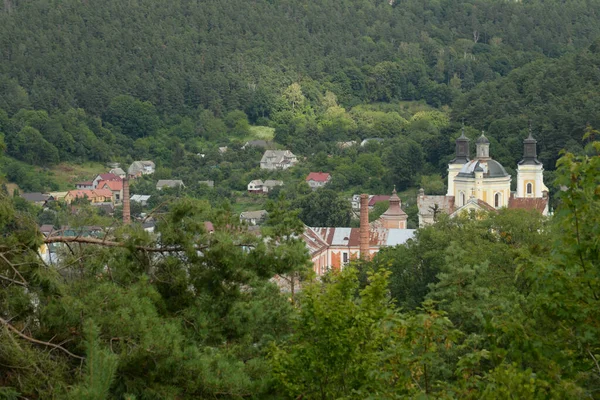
(478,185)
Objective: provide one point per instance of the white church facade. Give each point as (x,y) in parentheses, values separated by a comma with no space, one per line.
(483,184)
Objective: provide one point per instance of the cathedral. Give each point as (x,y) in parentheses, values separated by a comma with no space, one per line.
(484,184)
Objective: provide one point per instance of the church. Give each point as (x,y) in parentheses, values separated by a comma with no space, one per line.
(482,184)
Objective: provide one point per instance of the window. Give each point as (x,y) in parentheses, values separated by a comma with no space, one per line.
(462,198)
(497,200)
(345,255)
(529,188)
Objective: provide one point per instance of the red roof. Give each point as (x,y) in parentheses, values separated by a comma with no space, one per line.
(528,203)
(377,198)
(112,185)
(109,177)
(318,177)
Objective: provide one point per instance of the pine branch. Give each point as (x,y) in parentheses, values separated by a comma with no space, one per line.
(40,342)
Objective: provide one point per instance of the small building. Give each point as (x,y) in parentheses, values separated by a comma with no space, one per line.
(318,179)
(255,186)
(139,168)
(169,183)
(84,185)
(58,195)
(278,159)
(118,172)
(253,217)
(346,145)
(140,198)
(270,184)
(37,198)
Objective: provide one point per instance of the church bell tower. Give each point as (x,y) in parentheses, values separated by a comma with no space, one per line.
(462,157)
(530,171)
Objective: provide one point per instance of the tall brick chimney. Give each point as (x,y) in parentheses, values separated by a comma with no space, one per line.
(126,206)
(364,226)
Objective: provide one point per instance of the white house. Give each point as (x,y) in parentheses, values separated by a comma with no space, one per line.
(278,159)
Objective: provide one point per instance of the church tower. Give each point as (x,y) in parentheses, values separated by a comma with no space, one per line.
(394,217)
(530,171)
(462,157)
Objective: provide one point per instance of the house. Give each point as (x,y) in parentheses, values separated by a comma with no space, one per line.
(258,186)
(115,186)
(105,177)
(270,184)
(140,198)
(334,247)
(210,184)
(223,150)
(253,217)
(169,183)
(37,198)
(278,159)
(255,186)
(317,179)
(85,185)
(262,144)
(93,195)
(118,172)
(139,168)
(482,184)
(378,198)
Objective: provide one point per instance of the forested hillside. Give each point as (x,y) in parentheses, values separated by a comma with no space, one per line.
(187,65)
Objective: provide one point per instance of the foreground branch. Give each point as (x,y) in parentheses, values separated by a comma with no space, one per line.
(41,342)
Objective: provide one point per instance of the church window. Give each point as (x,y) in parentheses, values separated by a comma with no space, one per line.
(497,200)
(345,257)
(462,198)
(529,188)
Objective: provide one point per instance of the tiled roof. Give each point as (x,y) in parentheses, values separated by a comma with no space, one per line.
(377,198)
(112,185)
(318,177)
(90,193)
(528,203)
(109,177)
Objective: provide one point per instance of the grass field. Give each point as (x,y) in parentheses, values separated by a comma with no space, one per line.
(66,175)
(261,132)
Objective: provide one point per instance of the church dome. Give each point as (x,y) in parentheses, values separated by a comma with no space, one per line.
(490,168)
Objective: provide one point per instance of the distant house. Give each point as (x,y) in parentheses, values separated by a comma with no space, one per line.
(253,217)
(258,186)
(317,179)
(262,144)
(278,159)
(93,195)
(210,184)
(37,198)
(223,149)
(58,195)
(118,172)
(105,177)
(139,168)
(270,184)
(85,185)
(115,186)
(255,186)
(376,199)
(140,198)
(169,183)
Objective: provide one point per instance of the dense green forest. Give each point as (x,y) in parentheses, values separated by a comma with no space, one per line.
(124,80)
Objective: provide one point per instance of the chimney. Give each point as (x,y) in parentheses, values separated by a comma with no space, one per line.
(126,207)
(364,226)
